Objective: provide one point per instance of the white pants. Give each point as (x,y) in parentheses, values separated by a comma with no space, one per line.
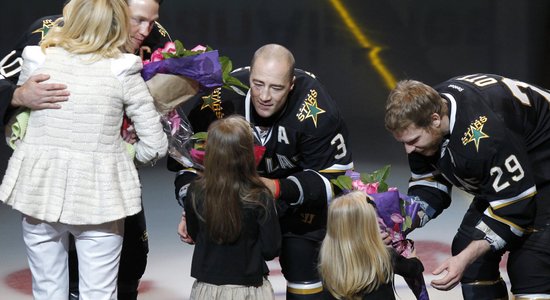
(98,249)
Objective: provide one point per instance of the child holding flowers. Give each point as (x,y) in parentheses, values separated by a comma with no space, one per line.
(231,216)
(354,262)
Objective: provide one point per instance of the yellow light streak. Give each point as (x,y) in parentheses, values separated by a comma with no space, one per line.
(373,55)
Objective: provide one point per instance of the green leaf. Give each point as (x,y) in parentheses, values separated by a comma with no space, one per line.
(408,223)
(382,174)
(382,187)
(367,178)
(200,135)
(199,139)
(343,182)
(226,64)
(336,183)
(234,82)
(180,49)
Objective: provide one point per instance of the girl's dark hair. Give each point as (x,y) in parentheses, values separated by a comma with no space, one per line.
(230,181)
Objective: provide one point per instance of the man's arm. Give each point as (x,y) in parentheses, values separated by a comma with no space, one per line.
(33,93)
(428,188)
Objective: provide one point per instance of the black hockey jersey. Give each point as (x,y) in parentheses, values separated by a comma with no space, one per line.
(306,144)
(498,150)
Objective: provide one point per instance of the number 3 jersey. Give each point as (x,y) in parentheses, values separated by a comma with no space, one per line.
(498,150)
(306,144)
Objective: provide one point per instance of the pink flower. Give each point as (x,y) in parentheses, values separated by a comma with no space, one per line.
(157,55)
(397,218)
(359,185)
(372,188)
(169,47)
(175,120)
(369,188)
(199,48)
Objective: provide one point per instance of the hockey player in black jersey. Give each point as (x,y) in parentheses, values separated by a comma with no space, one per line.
(306,144)
(146,35)
(489,136)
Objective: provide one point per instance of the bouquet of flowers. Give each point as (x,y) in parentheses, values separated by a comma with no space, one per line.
(396,213)
(174,75)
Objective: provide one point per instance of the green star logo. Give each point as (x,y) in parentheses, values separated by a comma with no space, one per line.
(214,102)
(46,25)
(313,111)
(208,101)
(477,135)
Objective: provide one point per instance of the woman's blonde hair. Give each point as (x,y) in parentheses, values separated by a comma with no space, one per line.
(353,258)
(99,27)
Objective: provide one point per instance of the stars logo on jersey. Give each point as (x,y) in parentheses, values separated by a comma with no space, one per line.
(46,25)
(475,133)
(310,108)
(214,102)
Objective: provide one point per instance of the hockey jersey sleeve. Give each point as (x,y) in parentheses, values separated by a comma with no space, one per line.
(428,187)
(10,65)
(324,146)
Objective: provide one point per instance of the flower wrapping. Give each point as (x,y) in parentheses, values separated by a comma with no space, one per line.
(181,140)
(397,213)
(173,81)
(169,91)
(203,67)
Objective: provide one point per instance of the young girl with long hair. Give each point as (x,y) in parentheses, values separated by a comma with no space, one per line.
(231,216)
(71,172)
(354,262)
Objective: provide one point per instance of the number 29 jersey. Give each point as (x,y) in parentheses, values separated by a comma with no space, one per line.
(498,150)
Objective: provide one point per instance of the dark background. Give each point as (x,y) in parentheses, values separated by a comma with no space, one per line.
(428,40)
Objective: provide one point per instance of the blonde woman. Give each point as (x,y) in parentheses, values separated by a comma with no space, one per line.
(71,173)
(354,262)
(231,216)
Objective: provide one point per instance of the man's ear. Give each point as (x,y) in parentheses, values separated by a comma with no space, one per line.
(292,83)
(436,120)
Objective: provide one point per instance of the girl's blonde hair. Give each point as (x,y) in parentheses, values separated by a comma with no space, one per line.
(353,259)
(99,27)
